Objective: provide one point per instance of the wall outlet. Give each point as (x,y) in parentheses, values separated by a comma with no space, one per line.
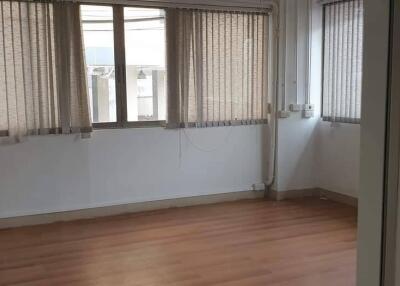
(308,107)
(295,107)
(308,113)
(283,114)
(308,110)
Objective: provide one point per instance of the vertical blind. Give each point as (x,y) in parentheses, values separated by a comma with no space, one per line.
(342,71)
(42,71)
(218,67)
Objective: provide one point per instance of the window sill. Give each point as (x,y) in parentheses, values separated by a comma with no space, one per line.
(136,124)
(342,120)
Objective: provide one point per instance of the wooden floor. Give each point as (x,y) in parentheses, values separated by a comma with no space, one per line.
(301,242)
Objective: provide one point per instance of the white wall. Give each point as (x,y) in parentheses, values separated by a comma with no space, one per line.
(296,162)
(296,152)
(313,153)
(337,149)
(338,159)
(58,173)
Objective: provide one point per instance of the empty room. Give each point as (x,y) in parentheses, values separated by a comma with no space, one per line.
(182,142)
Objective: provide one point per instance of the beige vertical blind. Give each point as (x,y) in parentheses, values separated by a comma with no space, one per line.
(218,67)
(342,71)
(42,72)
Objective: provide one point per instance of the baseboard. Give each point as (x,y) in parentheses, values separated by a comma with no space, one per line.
(171,203)
(313,192)
(338,197)
(126,208)
(293,194)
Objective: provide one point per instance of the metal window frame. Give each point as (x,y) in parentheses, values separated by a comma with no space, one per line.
(120,72)
(243,6)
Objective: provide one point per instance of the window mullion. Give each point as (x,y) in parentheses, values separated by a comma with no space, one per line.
(119,56)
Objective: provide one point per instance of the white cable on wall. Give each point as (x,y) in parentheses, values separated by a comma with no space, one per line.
(219,146)
(296,45)
(284,55)
(273,124)
(309,48)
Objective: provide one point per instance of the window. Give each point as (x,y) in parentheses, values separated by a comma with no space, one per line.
(41,67)
(125,60)
(145,63)
(342,61)
(221,67)
(98,32)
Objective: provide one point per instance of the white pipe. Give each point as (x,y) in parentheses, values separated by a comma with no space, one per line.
(284,47)
(274,116)
(309,50)
(296,45)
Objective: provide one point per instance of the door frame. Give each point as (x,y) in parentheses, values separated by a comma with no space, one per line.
(391,229)
(373,153)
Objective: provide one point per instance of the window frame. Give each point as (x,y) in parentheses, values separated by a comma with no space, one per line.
(120,72)
(346,120)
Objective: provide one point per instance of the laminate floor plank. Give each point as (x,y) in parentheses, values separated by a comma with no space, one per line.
(252,242)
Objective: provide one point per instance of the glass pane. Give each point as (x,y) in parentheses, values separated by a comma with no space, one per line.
(98,34)
(145,63)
